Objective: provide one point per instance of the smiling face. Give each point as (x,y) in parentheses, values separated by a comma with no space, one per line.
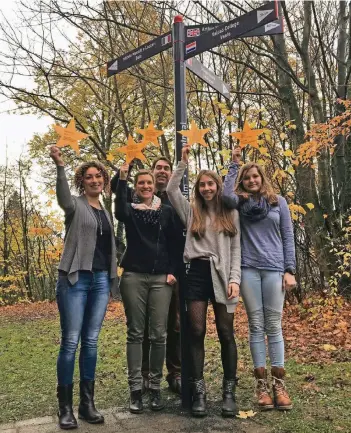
(93,182)
(252,181)
(145,187)
(207,188)
(162,173)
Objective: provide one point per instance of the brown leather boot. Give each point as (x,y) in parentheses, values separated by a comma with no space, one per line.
(264,400)
(281,397)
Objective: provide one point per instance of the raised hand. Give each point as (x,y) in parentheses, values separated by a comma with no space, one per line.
(123,171)
(56,155)
(236,154)
(185,153)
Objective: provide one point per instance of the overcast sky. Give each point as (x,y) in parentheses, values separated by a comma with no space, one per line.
(16,130)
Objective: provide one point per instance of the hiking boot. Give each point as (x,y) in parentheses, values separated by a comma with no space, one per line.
(281,397)
(198,407)
(175,384)
(229,408)
(156,402)
(264,400)
(136,402)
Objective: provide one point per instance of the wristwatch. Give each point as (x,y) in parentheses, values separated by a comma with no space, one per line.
(290,270)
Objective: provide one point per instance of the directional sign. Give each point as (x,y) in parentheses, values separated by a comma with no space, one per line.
(208,76)
(273,28)
(140,54)
(233,29)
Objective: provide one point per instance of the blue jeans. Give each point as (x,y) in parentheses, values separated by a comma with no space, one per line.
(263,295)
(82,308)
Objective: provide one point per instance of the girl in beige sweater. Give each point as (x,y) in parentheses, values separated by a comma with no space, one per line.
(212,249)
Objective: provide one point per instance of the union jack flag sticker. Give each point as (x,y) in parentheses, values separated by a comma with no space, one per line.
(190,47)
(166,39)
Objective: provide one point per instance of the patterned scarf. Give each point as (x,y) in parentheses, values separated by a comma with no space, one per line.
(254,210)
(148,214)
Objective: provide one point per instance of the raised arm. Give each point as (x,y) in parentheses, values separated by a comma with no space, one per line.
(63,194)
(287,235)
(232,199)
(179,202)
(122,208)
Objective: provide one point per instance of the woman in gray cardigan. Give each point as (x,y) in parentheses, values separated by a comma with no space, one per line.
(86,272)
(212,248)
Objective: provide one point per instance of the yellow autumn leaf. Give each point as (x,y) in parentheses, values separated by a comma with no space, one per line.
(294,216)
(268,138)
(260,142)
(263,122)
(109,157)
(310,206)
(287,123)
(288,153)
(224,171)
(263,150)
(301,210)
(225,111)
(252,125)
(221,105)
(261,162)
(283,136)
(230,118)
(329,348)
(51,191)
(119,271)
(243,415)
(292,126)
(325,215)
(290,194)
(267,131)
(290,169)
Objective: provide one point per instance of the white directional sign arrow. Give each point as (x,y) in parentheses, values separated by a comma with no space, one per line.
(261,15)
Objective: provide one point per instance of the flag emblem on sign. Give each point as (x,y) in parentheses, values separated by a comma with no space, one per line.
(190,47)
(193,33)
(166,39)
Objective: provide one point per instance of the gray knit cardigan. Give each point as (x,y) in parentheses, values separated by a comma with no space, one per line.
(223,251)
(81,232)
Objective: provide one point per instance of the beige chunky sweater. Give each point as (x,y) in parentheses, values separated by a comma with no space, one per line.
(223,251)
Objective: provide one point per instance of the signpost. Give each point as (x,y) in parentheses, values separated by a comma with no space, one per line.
(232,29)
(208,76)
(274,28)
(186,48)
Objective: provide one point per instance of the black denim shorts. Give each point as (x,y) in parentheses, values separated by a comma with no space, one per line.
(199,285)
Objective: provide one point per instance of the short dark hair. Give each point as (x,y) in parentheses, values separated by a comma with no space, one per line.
(161,158)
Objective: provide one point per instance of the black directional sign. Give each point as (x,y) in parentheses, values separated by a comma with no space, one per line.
(233,29)
(140,54)
(208,76)
(273,28)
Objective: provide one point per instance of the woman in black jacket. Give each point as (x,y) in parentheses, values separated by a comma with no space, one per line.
(147,280)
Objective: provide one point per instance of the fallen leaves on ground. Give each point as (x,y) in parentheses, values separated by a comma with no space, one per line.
(249,414)
(311,334)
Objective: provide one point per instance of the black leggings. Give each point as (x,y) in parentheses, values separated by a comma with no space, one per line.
(199,277)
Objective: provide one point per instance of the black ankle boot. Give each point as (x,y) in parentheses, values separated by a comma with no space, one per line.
(156,402)
(198,407)
(65,414)
(229,408)
(87,410)
(136,402)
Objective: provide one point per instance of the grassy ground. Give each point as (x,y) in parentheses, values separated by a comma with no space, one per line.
(28,351)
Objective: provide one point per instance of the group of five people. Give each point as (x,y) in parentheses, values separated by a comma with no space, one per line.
(239,240)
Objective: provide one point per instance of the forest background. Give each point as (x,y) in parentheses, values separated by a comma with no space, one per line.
(296,86)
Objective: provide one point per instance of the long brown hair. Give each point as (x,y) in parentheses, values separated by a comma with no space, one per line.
(266,190)
(224,220)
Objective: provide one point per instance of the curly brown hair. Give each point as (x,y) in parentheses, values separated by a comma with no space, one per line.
(224,220)
(82,169)
(266,190)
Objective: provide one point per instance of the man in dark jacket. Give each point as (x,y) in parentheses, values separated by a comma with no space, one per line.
(162,170)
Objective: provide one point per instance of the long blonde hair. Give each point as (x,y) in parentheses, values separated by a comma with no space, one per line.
(266,190)
(224,220)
